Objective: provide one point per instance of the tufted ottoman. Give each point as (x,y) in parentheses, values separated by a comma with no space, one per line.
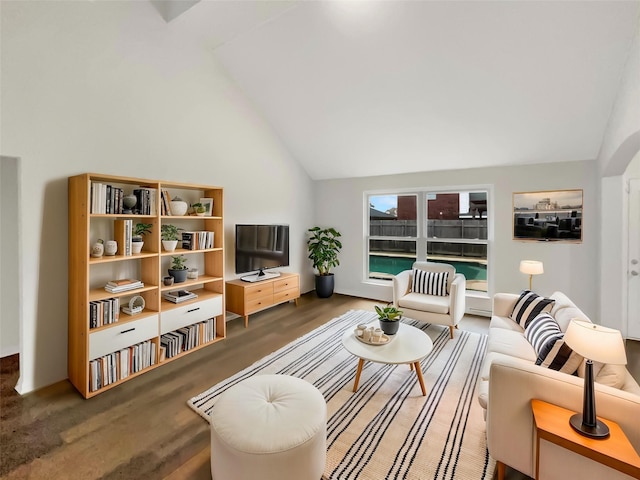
(269,427)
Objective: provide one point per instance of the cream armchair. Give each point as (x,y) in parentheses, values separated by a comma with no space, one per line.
(442,310)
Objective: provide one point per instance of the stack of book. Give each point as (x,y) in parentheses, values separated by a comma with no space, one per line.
(106,198)
(177,296)
(123,285)
(197,240)
(103,312)
(186,338)
(118,365)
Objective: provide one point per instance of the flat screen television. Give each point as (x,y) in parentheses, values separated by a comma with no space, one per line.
(260,247)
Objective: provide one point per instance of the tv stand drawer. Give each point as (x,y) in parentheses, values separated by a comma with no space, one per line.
(286,295)
(287,283)
(256,292)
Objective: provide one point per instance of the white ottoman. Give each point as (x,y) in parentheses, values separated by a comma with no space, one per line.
(269,427)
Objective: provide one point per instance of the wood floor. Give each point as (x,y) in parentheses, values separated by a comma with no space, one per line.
(143,428)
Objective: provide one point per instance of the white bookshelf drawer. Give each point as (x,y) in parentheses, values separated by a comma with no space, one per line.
(120,336)
(189,314)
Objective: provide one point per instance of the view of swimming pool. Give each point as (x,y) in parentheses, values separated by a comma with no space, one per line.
(385,266)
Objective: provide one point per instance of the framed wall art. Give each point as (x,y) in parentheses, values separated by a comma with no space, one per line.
(207,203)
(551,216)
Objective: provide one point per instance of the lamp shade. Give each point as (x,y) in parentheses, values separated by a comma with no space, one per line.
(595,342)
(531,267)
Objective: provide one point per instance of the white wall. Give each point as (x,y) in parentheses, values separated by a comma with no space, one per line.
(108,87)
(622,137)
(620,144)
(9,246)
(570,268)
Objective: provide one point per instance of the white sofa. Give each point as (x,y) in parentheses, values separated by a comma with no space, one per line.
(510,379)
(442,310)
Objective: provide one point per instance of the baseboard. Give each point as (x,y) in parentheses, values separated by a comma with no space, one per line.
(479,312)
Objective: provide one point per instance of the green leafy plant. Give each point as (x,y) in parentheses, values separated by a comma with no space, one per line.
(178,262)
(324,246)
(199,208)
(141,229)
(169,232)
(388,313)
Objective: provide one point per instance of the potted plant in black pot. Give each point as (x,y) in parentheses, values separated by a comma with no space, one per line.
(178,269)
(324,246)
(389,317)
(139,229)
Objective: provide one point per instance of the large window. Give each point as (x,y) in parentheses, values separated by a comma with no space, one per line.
(393,232)
(451,228)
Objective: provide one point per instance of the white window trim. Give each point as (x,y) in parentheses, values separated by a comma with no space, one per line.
(422,239)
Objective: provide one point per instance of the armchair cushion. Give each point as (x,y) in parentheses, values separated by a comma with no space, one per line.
(430,283)
(529,306)
(425,303)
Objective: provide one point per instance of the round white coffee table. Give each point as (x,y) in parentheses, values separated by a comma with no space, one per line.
(409,345)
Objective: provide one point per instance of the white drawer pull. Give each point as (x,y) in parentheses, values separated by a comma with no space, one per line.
(130,330)
(193,310)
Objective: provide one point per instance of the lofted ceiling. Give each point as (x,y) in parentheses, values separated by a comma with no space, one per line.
(359,88)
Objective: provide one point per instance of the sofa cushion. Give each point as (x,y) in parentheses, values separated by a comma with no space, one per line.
(605,374)
(510,343)
(429,303)
(504,322)
(529,306)
(430,283)
(561,301)
(564,316)
(544,333)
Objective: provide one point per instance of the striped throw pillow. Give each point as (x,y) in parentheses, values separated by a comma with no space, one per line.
(544,334)
(430,283)
(529,306)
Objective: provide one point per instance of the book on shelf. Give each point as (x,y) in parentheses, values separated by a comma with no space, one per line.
(123,287)
(166,201)
(122,281)
(177,296)
(197,240)
(105,198)
(122,232)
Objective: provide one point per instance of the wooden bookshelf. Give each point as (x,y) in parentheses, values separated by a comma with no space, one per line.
(88,275)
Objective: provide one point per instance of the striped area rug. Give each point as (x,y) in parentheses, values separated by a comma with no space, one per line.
(387,430)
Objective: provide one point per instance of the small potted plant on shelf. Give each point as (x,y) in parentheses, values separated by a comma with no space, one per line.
(199,209)
(178,269)
(324,246)
(139,229)
(169,235)
(389,317)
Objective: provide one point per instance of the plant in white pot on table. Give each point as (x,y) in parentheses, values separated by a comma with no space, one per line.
(324,246)
(389,317)
(139,230)
(169,234)
(178,269)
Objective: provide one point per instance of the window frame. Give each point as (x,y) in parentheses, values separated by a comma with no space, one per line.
(422,240)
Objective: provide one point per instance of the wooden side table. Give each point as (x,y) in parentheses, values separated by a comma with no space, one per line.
(615,451)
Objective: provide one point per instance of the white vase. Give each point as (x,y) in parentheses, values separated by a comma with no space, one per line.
(110,247)
(178,207)
(169,245)
(97,250)
(136,247)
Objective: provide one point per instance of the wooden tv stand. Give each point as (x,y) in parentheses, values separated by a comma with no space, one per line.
(245,298)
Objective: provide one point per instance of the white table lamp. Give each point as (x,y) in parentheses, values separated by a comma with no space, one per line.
(600,344)
(531,268)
